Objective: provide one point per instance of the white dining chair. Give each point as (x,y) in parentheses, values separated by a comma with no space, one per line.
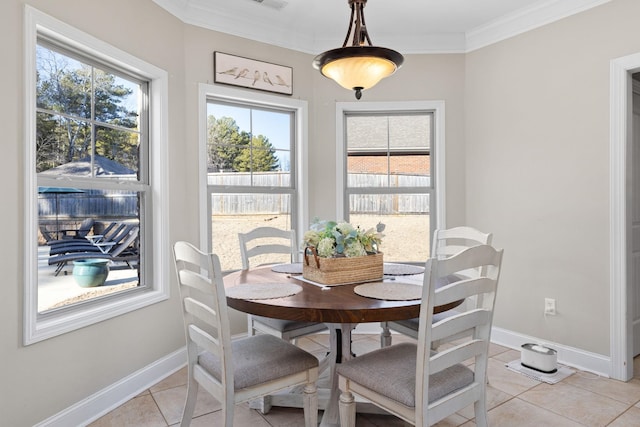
(261,242)
(421,386)
(446,243)
(239,370)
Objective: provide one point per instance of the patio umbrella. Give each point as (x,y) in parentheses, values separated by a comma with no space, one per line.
(57,191)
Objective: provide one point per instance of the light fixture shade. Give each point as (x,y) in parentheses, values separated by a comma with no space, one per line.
(361,65)
(356,68)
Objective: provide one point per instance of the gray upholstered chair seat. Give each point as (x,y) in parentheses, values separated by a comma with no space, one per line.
(253,360)
(391,372)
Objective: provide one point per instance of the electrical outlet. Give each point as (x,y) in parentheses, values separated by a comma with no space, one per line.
(549,306)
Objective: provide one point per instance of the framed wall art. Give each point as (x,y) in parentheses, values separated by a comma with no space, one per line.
(252,74)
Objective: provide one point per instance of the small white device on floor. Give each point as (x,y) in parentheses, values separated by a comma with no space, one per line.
(539,357)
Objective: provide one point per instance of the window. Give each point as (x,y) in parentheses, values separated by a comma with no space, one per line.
(92,167)
(253,147)
(387,159)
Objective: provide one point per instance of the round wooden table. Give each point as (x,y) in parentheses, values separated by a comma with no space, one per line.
(337,306)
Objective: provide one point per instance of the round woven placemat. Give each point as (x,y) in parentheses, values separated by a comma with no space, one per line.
(389,291)
(263,290)
(391,269)
(288,268)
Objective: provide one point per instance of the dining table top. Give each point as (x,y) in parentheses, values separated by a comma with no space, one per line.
(333,304)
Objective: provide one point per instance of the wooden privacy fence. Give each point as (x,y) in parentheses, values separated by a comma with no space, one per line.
(274,203)
(93,204)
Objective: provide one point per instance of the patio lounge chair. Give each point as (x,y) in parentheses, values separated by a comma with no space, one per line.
(68,234)
(125,251)
(85,245)
(78,233)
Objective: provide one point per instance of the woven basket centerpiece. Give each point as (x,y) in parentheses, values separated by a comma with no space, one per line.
(338,253)
(341,270)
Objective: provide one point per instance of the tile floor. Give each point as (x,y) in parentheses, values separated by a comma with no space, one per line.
(582,399)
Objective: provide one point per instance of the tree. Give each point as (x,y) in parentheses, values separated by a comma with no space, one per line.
(71,95)
(258,157)
(230,149)
(225,142)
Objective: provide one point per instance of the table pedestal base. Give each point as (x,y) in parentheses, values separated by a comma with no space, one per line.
(328,391)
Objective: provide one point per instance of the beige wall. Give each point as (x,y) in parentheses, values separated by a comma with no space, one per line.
(43,379)
(526,151)
(537,155)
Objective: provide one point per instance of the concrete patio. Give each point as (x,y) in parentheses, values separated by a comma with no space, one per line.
(56,291)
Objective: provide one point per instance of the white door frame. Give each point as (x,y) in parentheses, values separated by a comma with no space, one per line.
(619,151)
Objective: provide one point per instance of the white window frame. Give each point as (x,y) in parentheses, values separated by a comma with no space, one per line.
(438,109)
(222,93)
(38,326)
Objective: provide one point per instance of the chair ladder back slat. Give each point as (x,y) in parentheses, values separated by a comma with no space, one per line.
(268,249)
(449,250)
(196,281)
(451,241)
(454,355)
(474,257)
(267,240)
(459,323)
(202,312)
(462,289)
(204,340)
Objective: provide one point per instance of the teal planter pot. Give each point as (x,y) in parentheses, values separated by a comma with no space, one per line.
(89,273)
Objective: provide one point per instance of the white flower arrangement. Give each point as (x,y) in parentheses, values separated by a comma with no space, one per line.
(337,239)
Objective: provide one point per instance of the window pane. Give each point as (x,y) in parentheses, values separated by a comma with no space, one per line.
(63,83)
(406,218)
(116,100)
(275,125)
(240,213)
(63,243)
(119,150)
(250,141)
(256,158)
(60,140)
(388,150)
(409,133)
(367,133)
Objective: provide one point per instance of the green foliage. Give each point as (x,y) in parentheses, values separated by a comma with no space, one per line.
(258,157)
(225,142)
(230,149)
(332,239)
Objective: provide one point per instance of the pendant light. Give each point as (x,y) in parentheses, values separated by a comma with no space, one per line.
(361,65)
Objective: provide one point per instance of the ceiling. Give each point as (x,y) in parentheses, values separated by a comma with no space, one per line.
(408,26)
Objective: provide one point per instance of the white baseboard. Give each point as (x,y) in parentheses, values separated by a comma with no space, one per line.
(109,398)
(570,356)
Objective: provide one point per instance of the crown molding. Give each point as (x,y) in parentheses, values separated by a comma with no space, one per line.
(257,28)
(524,20)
